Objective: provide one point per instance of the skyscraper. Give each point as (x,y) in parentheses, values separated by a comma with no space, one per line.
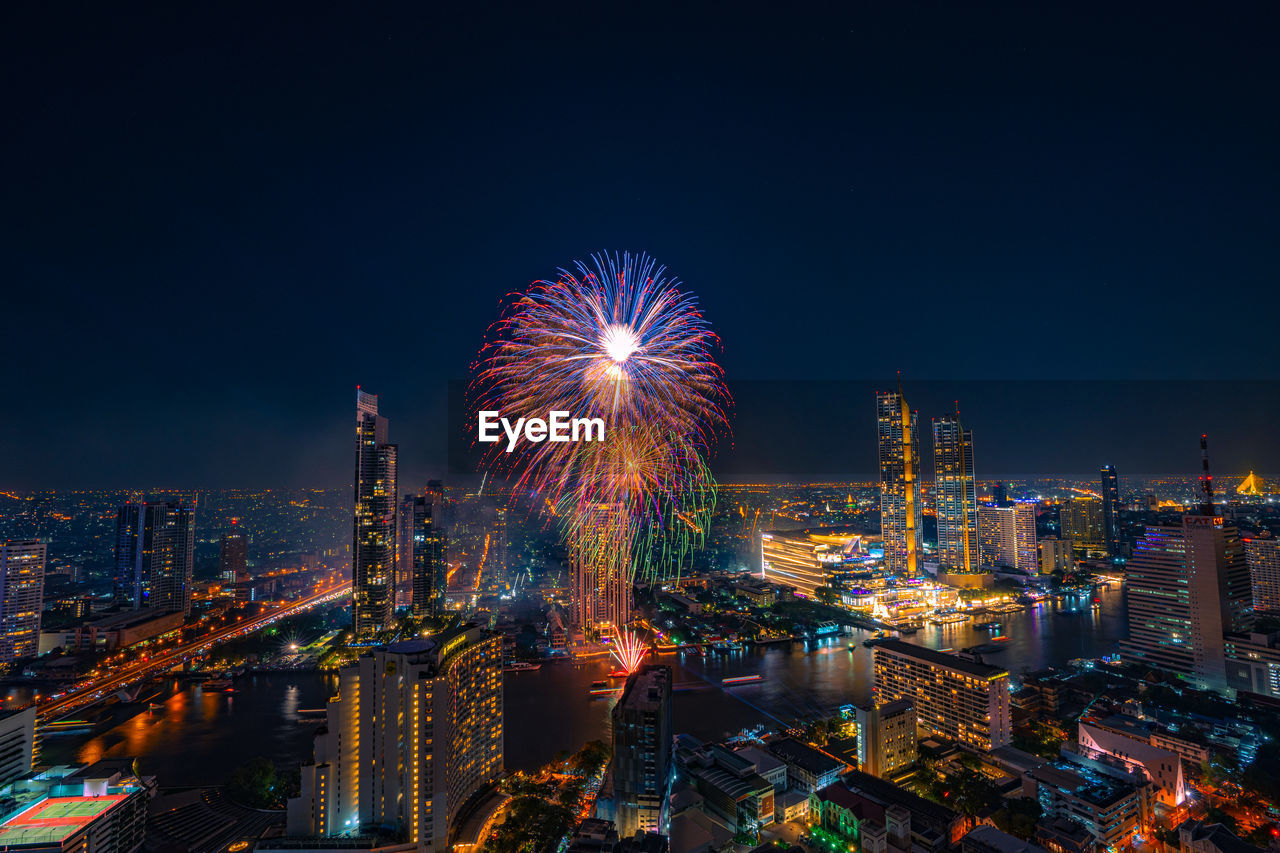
(373,549)
(233,553)
(424,548)
(1187,585)
(1263,556)
(954,495)
(1007,536)
(642,739)
(22,563)
(899,458)
(601,571)
(1080,520)
(1111,510)
(155,553)
(414,733)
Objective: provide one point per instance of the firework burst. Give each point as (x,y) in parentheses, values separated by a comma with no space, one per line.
(617,339)
(627,650)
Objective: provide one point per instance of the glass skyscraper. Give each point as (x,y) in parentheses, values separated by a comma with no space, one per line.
(373,550)
(155,553)
(955,495)
(1111,510)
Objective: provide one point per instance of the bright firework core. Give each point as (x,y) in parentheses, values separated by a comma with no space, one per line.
(627,649)
(619,342)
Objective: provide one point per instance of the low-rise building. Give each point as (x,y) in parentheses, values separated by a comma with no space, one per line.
(808,769)
(1130,746)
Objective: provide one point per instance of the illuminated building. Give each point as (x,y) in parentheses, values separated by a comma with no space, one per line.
(22,563)
(1186,586)
(233,553)
(955,497)
(954,696)
(887,740)
(1122,742)
(1263,557)
(1007,536)
(1055,555)
(1111,510)
(1253,663)
(1080,521)
(602,572)
(642,751)
(803,558)
(374,529)
(424,549)
(1112,804)
(898,451)
(413,735)
(101,808)
(155,551)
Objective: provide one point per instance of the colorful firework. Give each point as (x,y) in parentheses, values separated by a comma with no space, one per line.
(627,650)
(616,339)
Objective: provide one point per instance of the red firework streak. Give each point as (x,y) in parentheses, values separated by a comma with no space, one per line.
(627,650)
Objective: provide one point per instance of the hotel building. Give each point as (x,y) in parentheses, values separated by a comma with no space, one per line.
(155,554)
(954,696)
(413,735)
(1080,520)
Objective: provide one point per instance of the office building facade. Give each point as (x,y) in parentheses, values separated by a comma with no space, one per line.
(373,549)
(898,451)
(1187,586)
(602,570)
(155,555)
(642,743)
(22,565)
(1055,555)
(953,696)
(415,732)
(233,553)
(955,495)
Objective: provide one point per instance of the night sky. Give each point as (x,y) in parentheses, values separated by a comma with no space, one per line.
(218,219)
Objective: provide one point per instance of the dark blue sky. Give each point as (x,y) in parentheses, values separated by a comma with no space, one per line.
(218,220)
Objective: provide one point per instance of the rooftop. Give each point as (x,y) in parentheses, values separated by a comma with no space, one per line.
(54,818)
(933,656)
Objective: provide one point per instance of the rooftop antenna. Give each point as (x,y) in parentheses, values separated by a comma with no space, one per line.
(1206,480)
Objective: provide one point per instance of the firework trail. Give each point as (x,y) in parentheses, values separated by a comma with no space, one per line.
(615,338)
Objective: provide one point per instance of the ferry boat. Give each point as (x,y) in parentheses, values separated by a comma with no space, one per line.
(948,619)
(521,666)
(218,684)
(987,625)
(740,679)
(618,673)
(602,688)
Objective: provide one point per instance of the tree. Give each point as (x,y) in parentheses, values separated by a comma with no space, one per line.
(255,784)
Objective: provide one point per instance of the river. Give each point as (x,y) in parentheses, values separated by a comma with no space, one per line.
(197,738)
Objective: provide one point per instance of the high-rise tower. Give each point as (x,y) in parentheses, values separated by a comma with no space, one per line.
(955,495)
(1187,585)
(424,548)
(899,456)
(155,554)
(1111,510)
(642,750)
(373,549)
(22,564)
(601,561)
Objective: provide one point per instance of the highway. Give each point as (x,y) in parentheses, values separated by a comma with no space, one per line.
(98,689)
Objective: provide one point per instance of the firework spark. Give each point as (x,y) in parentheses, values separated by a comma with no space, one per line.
(616,339)
(627,650)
